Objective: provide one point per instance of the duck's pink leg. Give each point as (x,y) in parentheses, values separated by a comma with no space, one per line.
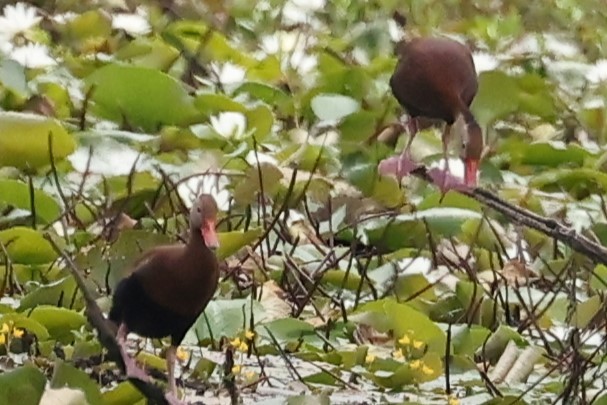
(132,369)
(401,165)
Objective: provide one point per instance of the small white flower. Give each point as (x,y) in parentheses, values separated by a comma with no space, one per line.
(598,72)
(293,49)
(229,124)
(298,11)
(254,159)
(16,19)
(229,73)
(134,24)
(32,56)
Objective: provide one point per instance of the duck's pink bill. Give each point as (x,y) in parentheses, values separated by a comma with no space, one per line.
(209,235)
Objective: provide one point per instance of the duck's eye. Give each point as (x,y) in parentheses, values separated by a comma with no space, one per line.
(198,209)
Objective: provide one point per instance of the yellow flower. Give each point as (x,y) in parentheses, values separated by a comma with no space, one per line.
(236,369)
(181,354)
(427,370)
(5,328)
(453,400)
(250,375)
(405,340)
(370,358)
(2,338)
(249,334)
(243,346)
(418,344)
(397,354)
(235,342)
(18,332)
(415,364)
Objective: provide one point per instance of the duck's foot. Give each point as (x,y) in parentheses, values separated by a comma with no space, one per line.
(132,369)
(172,399)
(446,182)
(399,166)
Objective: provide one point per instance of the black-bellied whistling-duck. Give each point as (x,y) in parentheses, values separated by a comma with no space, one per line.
(169,288)
(436,78)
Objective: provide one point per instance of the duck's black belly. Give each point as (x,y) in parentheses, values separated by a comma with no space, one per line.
(143,316)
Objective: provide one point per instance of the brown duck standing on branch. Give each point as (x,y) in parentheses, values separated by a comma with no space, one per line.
(436,78)
(169,289)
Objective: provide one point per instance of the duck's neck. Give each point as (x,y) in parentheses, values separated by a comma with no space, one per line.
(196,242)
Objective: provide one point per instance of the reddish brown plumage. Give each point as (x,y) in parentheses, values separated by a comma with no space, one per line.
(170,286)
(436,78)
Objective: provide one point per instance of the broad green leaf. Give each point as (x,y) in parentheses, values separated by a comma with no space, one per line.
(232,242)
(551,154)
(148,52)
(66,375)
(23,321)
(450,199)
(150,360)
(268,94)
(410,285)
(418,371)
(90,24)
(203,370)
(17,194)
(585,311)
(63,292)
(575,181)
(141,97)
(497,97)
(260,120)
(226,318)
(12,77)
(402,319)
(60,322)
(333,106)
(123,394)
(27,246)
(598,280)
(337,278)
(246,190)
(359,126)
(212,103)
(467,339)
(288,330)
(24,385)
(24,140)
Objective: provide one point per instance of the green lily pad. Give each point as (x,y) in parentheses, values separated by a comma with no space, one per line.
(17,194)
(66,375)
(24,385)
(60,322)
(24,140)
(27,246)
(62,292)
(22,321)
(141,97)
(402,319)
(232,242)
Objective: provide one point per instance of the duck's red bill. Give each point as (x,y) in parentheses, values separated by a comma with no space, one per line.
(209,235)
(471,171)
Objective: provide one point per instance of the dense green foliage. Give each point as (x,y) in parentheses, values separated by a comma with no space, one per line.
(336,278)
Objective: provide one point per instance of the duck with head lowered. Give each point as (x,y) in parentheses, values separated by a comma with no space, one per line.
(169,288)
(436,78)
